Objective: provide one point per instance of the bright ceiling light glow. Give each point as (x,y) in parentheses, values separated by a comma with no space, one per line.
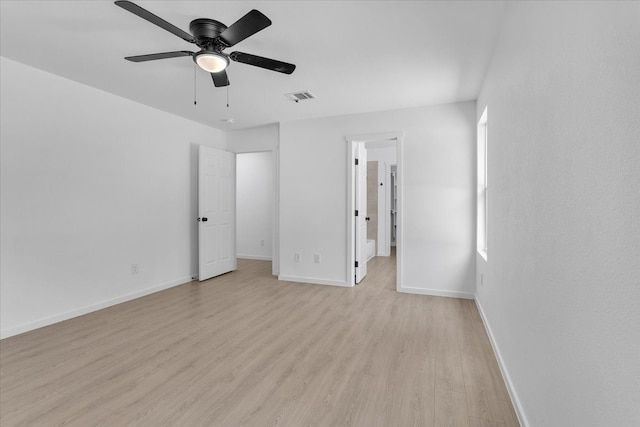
(212,62)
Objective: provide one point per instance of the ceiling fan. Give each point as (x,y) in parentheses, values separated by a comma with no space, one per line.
(212,37)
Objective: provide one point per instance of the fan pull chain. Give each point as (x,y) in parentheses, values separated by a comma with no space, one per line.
(194,85)
(227,95)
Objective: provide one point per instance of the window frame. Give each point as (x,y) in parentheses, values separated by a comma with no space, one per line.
(482,208)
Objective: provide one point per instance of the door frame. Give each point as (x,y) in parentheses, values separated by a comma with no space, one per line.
(350,217)
(360,222)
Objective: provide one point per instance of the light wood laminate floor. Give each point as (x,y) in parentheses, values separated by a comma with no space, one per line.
(246,349)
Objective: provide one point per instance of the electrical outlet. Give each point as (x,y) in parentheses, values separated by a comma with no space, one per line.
(134,269)
(296,257)
(317,258)
(261,242)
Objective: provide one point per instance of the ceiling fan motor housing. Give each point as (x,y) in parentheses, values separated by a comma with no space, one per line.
(205,31)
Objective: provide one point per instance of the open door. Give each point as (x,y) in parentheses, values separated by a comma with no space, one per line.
(216,212)
(361,211)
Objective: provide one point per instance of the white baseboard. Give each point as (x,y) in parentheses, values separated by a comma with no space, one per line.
(503,369)
(435,292)
(313,281)
(256,257)
(26,327)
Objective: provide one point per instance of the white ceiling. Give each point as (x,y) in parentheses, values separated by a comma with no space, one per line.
(355,56)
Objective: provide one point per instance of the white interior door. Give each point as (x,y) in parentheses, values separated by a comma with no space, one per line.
(361,209)
(216,212)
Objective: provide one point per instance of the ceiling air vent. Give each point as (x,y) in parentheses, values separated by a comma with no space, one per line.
(300,96)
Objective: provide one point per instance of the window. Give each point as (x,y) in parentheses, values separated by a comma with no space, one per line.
(482,186)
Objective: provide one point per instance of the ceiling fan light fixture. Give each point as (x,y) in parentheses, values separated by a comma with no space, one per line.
(211,62)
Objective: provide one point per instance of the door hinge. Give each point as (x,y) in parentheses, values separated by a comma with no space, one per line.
(356,162)
(356,212)
(356,264)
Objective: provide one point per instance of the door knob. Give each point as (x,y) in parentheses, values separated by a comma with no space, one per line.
(368,219)
(203,219)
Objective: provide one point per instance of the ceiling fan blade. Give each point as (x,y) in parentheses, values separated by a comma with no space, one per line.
(259,61)
(154,56)
(220,78)
(244,27)
(145,14)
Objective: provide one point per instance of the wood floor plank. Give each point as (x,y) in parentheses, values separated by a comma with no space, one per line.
(479,422)
(451,409)
(449,373)
(245,349)
(485,405)
(509,415)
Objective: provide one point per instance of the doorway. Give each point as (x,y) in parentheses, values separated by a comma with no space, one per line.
(256,237)
(383,153)
(220,242)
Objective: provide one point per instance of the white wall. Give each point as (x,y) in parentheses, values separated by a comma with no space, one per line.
(561,289)
(382,154)
(254,205)
(262,138)
(91,183)
(439,196)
